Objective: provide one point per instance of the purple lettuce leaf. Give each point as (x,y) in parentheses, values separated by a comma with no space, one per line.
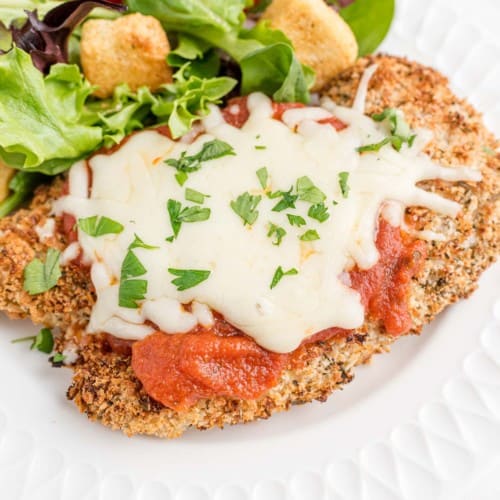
(47,40)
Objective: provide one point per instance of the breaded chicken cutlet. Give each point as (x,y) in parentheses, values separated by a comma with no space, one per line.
(104,385)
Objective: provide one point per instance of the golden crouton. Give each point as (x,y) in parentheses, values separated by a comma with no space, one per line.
(131,49)
(321,38)
(6,175)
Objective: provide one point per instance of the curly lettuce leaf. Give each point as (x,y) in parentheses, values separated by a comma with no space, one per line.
(266,57)
(42,126)
(188,98)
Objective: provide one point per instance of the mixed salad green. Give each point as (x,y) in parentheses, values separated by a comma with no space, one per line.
(49,117)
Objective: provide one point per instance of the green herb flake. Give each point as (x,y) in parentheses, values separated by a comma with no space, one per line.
(263,176)
(195,196)
(178,215)
(188,278)
(138,243)
(287,200)
(99,226)
(185,165)
(318,212)
(42,276)
(487,150)
(58,358)
(307,191)
(43,342)
(296,220)
(132,291)
(368,148)
(309,235)
(181,178)
(279,273)
(344,187)
(131,267)
(276,232)
(260,147)
(245,206)
(400,131)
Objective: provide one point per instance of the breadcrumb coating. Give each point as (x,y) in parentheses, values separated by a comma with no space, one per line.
(104,386)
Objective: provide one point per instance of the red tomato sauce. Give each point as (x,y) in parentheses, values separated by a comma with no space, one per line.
(178,370)
(384,288)
(236,113)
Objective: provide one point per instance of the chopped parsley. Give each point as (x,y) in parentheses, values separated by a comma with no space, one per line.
(309,235)
(188,278)
(178,215)
(318,212)
(131,289)
(138,243)
(42,276)
(263,176)
(344,187)
(373,147)
(58,357)
(296,220)
(195,196)
(398,125)
(188,164)
(43,342)
(307,191)
(99,226)
(246,207)
(400,132)
(279,273)
(276,232)
(131,267)
(287,200)
(259,147)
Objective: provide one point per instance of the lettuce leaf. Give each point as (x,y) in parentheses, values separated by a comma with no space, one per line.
(21,186)
(203,60)
(177,105)
(42,126)
(189,97)
(47,40)
(48,123)
(266,57)
(369,20)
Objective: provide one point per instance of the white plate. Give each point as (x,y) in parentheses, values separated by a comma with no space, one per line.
(420,423)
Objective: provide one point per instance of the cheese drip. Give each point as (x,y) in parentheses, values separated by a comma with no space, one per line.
(133,184)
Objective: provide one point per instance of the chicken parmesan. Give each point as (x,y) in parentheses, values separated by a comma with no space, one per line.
(254,262)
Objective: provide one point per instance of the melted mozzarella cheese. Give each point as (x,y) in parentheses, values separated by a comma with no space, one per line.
(133,185)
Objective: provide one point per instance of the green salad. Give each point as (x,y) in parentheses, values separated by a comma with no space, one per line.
(50,117)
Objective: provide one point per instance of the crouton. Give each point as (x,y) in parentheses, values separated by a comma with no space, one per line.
(321,38)
(131,49)
(6,175)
